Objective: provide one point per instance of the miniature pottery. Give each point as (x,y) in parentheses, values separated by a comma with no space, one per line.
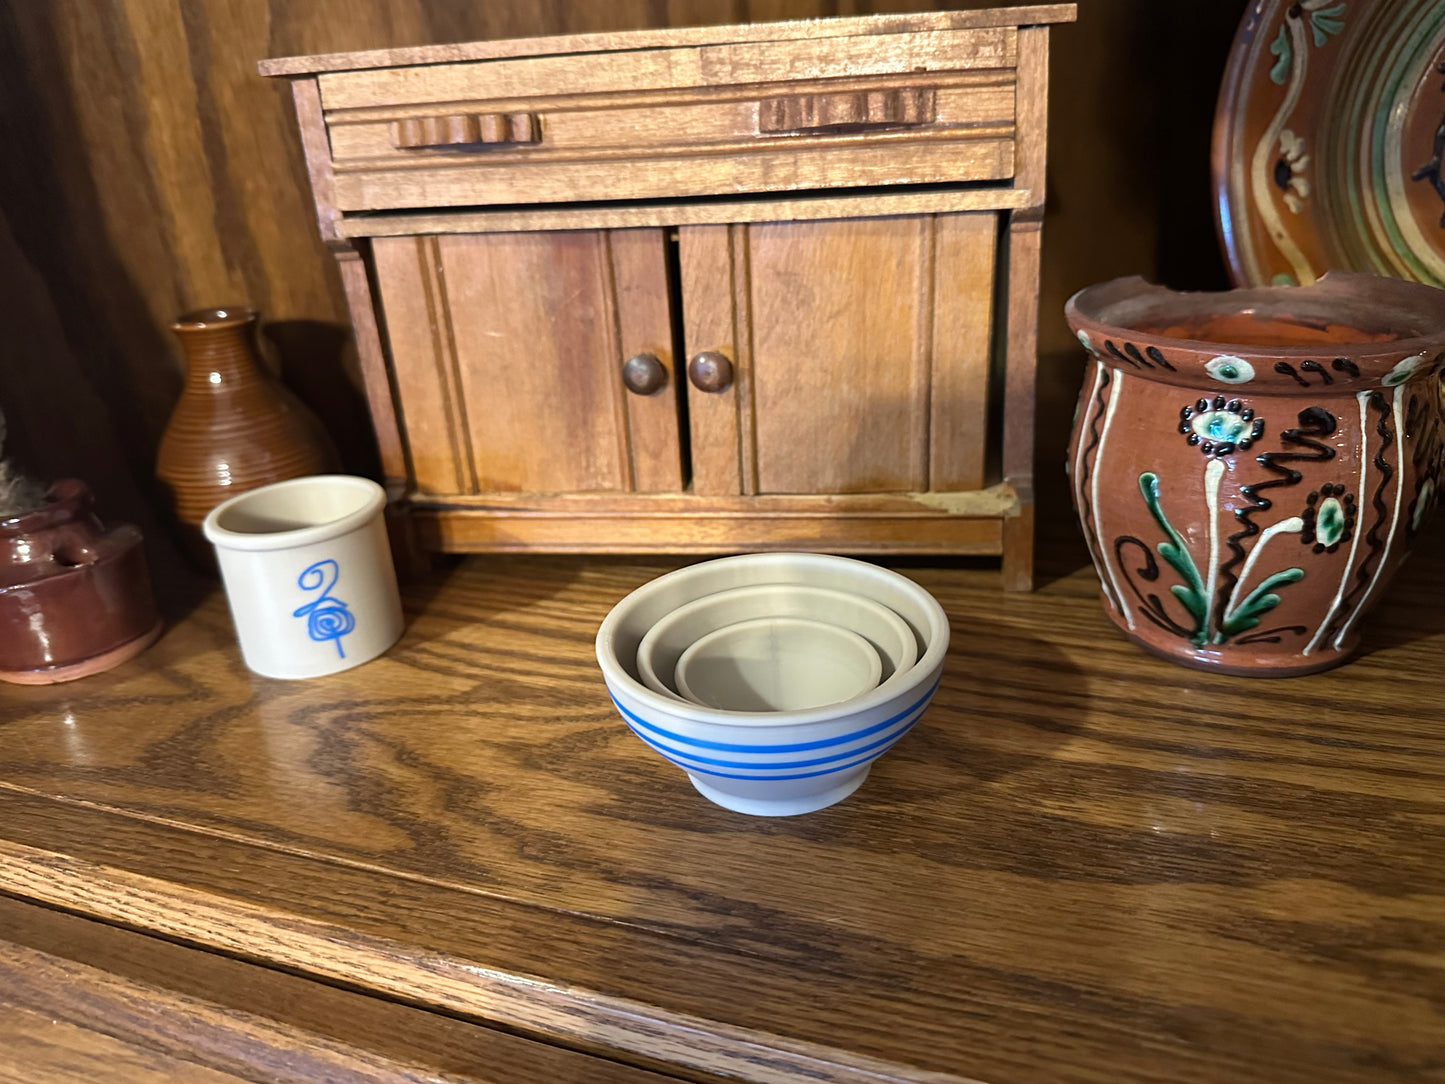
(658,653)
(308,574)
(773,763)
(777,664)
(234,428)
(1251,467)
(75,598)
(1328,141)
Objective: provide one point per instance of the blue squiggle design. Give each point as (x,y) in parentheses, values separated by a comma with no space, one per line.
(327,618)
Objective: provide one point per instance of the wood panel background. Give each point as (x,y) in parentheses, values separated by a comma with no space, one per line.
(149,169)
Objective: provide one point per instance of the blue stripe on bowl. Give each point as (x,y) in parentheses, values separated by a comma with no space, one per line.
(797,747)
(774,765)
(774,778)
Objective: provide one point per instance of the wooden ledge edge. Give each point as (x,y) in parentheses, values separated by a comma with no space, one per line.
(657,38)
(627,1030)
(199,1032)
(998,500)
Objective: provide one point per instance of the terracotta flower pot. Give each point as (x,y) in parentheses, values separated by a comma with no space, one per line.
(1251,467)
(75,598)
(234,428)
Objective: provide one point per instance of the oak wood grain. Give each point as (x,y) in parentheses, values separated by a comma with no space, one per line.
(35,1047)
(261,1024)
(1083,865)
(187,1038)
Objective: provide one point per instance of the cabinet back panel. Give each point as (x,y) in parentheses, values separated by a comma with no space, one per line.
(841,354)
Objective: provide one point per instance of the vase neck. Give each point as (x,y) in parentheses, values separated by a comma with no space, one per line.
(220,357)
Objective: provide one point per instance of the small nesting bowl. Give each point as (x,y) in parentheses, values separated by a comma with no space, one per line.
(773,763)
(664,643)
(777,664)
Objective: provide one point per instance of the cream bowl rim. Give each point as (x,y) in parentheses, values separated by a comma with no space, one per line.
(935,647)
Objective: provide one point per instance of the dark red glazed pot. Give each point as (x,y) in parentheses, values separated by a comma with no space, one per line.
(75,598)
(1251,467)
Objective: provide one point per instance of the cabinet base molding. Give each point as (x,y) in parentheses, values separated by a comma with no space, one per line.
(964,524)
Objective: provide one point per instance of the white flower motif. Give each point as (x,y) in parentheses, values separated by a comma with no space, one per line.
(1228,369)
(1289,170)
(1086,342)
(1403,370)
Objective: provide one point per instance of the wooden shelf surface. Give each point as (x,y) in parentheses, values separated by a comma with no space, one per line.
(1083,865)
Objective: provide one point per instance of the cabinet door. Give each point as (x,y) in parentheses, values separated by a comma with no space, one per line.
(507,350)
(860,350)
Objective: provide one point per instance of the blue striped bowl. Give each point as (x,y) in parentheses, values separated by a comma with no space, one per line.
(773,763)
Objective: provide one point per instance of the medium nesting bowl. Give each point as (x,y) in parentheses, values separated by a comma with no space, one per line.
(773,763)
(665,642)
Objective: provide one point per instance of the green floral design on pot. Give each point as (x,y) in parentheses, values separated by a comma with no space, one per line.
(1197,593)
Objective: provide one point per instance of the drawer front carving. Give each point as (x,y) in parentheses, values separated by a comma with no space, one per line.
(848,110)
(463,130)
(774,116)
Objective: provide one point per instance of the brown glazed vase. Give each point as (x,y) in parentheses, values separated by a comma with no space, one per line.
(75,598)
(235,428)
(1251,467)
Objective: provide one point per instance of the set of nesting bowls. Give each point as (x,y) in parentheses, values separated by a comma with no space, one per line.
(774,680)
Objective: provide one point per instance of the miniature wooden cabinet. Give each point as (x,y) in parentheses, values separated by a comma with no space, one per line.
(748,287)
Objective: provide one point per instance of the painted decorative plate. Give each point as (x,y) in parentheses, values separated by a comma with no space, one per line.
(1328,141)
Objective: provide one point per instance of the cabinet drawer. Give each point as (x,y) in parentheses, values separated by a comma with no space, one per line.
(878,110)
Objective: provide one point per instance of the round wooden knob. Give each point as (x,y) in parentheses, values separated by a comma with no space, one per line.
(710,371)
(643,374)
